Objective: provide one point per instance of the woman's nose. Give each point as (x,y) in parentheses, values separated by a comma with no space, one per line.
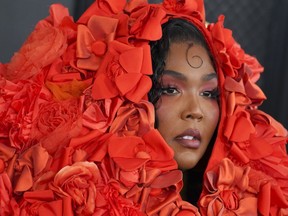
(192,110)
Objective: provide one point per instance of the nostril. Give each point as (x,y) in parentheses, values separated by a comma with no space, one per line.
(197,116)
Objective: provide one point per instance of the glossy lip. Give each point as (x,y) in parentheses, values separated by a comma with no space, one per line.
(189,143)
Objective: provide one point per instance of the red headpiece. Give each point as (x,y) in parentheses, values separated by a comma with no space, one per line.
(77,131)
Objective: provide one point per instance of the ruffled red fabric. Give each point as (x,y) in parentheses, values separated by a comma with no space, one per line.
(248,138)
(228,191)
(77,132)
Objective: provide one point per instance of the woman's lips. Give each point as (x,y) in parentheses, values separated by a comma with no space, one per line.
(190,138)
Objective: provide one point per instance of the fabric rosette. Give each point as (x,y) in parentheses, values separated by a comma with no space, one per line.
(99,114)
(93,39)
(106,8)
(56,123)
(77,131)
(271,196)
(17,112)
(145,21)
(43,202)
(228,191)
(231,56)
(133,119)
(186,8)
(146,171)
(78,182)
(9,206)
(241,70)
(123,72)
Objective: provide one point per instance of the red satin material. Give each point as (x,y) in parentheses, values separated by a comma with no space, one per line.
(77,132)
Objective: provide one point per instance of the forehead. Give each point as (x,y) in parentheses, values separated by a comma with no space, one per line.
(188,56)
(185,48)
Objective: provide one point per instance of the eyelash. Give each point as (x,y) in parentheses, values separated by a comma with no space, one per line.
(214,94)
(165,89)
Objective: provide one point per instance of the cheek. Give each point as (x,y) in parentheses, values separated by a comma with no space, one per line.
(162,113)
(213,114)
(165,114)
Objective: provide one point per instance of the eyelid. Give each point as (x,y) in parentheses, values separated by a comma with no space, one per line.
(168,88)
(214,93)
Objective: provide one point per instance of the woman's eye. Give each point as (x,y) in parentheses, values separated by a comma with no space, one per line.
(210,94)
(170,91)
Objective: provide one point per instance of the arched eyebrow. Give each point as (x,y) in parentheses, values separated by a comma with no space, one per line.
(175,74)
(209,76)
(180,76)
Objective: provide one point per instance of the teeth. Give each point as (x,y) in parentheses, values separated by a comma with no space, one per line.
(188,137)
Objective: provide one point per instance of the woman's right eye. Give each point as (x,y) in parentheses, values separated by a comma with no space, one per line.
(170,91)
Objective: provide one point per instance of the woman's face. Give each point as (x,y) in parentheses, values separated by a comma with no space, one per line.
(188,110)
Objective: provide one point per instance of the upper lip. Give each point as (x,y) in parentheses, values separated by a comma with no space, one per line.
(190,132)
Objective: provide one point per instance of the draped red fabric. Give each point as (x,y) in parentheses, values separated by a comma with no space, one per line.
(77,130)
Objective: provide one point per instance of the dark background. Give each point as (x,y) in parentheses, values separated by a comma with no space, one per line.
(260,26)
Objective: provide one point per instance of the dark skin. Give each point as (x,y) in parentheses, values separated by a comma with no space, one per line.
(188,110)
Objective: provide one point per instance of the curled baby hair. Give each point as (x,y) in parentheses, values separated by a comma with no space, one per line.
(174,31)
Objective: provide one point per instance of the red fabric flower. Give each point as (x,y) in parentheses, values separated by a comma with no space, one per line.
(99,114)
(223,42)
(114,203)
(261,140)
(76,130)
(9,206)
(107,8)
(91,145)
(193,8)
(58,14)
(92,41)
(267,144)
(132,152)
(239,121)
(271,196)
(145,22)
(133,119)
(27,167)
(56,123)
(179,208)
(17,111)
(231,56)
(8,91)
(251,65)
(140,173)
(228,191)
(242,92)
(78,181)
(44,202)
(7,155)
(123,72)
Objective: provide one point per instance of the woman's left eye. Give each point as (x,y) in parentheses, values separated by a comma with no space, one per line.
(210,94)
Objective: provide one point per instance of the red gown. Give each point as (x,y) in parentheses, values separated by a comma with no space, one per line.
(77,130)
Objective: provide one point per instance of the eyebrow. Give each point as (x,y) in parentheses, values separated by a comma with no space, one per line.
(180,76)
(210,76)
(175,74)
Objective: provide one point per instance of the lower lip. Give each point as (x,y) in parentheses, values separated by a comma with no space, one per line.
(189,143)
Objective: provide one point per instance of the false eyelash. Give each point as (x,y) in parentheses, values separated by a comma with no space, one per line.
(215,93)
(168,88)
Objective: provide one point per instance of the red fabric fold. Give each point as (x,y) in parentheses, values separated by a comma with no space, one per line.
(77,130)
